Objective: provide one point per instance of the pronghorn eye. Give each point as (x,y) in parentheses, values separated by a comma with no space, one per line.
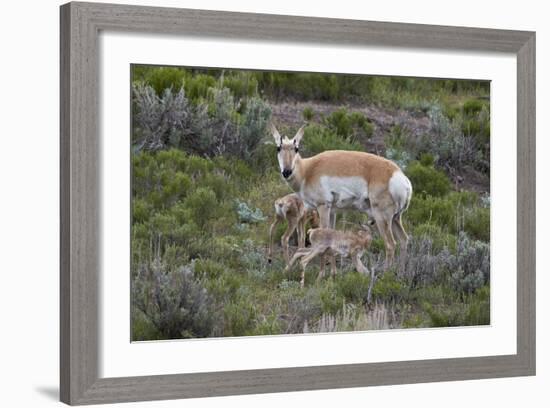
(279,148)
(296,149)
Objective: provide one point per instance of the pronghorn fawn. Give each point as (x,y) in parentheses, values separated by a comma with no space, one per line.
(292,209)
(348,180)
(343,243)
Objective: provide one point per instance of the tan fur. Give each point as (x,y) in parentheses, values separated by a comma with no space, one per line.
(383,206)
(327,240)
(292,209)
(374,169)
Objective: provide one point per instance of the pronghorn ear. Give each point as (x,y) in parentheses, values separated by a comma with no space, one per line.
(276,135)
(299,135)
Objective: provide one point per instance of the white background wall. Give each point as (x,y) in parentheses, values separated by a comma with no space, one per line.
(29,219)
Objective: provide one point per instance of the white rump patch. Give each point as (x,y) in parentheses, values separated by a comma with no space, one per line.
(400,189)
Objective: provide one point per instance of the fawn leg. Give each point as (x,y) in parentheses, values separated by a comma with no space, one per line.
(271,229)
(298,254)
(292,223)
(313,252)
(301,229)
(358,264)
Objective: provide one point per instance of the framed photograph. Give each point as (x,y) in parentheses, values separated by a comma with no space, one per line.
(261,203)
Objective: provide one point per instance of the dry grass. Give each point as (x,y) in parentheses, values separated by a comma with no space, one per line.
(353,318)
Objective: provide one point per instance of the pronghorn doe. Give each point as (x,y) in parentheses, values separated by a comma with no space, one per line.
(347,180)
(327,240)
(292,209)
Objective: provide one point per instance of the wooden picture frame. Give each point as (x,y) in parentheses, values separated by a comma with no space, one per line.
(80,232)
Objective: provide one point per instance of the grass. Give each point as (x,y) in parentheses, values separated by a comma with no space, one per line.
(222,241)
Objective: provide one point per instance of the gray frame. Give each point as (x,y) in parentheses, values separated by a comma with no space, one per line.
(80,234)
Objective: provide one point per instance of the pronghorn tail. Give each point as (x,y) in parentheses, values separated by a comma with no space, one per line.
(401,191)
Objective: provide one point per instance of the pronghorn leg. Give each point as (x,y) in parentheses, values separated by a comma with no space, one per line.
(271,229)
(292,223)
(385,229)
(332,257)
(401,235)
(324,215)
(298,254)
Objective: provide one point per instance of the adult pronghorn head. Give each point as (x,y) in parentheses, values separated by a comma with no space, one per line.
(287,151)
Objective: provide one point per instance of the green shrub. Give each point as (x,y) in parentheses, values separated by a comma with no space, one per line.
(340,122)
(197,86)
(479,307)
(318,139)
(377,245)
(268,325)
(142,328)
(352,126)
(427,180)
(208,269)
(389,288)
(175,186)
(472,107)
(242,84)
(141,210)
(452,112)
(447,212)
(197,166)
(299,86)
(477,223)
(239,317)
(201,204)
(225,287)
(264,159)
(474,311)
(331,295)
(163,78)
(476,124)
(308,114)
(427,160)
(353,287)
(439,237)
